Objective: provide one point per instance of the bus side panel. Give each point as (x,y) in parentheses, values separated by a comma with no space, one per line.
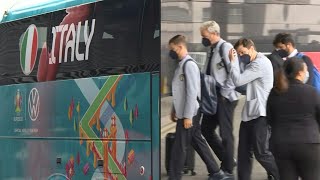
(67,108)
(87,119)
(58,158)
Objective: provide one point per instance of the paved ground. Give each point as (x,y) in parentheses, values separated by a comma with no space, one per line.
(258,173)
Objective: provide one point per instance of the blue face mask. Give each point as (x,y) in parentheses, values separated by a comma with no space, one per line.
(245,58)
(173,55)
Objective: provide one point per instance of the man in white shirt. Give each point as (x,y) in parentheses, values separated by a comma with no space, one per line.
(217,66)
(185,92)
(254,131)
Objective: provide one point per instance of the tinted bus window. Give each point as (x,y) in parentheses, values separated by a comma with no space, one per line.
(90,40)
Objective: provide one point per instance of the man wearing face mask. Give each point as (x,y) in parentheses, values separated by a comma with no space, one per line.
(185,92)
(254,132)
(217,66)
(286,45)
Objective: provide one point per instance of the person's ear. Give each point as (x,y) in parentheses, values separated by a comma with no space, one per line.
(288,46)
(212,35)
(301,73)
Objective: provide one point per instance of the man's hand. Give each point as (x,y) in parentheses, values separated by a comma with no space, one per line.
(187,123)
(173,116)
(232,55)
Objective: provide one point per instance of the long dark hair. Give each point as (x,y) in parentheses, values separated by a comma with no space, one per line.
(290,70)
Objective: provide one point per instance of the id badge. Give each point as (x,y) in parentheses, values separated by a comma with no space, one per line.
(181,77)
(220,65)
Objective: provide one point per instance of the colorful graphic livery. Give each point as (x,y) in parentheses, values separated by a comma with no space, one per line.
(85,128)
(79,90)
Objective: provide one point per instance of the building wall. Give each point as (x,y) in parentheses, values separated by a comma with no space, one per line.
(259,20)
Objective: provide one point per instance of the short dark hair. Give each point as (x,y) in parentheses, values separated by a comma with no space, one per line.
(291,68)
(283,38)
(178,39)
(245,42)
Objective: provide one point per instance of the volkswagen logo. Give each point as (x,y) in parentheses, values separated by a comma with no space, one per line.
(34,104)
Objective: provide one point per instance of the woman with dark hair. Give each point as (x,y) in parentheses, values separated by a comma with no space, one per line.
(293,112)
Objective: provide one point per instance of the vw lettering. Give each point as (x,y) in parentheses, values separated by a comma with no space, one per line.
(33,104)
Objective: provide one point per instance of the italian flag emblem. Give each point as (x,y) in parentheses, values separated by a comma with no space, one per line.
(28,49)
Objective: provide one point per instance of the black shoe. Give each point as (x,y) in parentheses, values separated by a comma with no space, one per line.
(219,176)
(229,175)
(234,165)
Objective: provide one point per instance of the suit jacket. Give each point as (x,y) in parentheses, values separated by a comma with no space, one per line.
(258,75)
(294,116)
(186,88)
(276,61)
(224,82)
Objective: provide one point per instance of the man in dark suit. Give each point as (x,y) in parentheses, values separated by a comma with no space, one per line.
(276,60)
(285,42)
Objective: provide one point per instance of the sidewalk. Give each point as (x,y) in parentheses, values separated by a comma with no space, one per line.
(258,173)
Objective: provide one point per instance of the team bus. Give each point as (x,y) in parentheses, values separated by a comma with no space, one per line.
(79,90)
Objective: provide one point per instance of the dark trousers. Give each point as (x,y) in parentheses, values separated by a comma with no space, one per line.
(254,136)
(185,137)
(298,160)
(224,147)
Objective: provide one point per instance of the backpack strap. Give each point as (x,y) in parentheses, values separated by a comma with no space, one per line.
(222,58)
(208,71)
(184,66)
(300,55)
(184,74)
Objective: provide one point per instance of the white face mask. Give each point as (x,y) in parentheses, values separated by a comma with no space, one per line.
(306,77)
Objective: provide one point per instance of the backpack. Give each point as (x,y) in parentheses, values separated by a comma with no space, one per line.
(316,74)
(241,89)
(208,100)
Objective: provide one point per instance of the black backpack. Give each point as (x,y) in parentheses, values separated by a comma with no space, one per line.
(241,89)
(208,101)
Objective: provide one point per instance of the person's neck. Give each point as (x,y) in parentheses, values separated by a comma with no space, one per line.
(254,56)
(291,50)
(299,78)
(183,55)
(216,43)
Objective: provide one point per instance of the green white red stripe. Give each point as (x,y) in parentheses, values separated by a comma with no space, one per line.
(28,50)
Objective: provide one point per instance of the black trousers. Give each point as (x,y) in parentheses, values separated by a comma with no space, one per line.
(185,137)
(298,160)
(223,147)
(254,137)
